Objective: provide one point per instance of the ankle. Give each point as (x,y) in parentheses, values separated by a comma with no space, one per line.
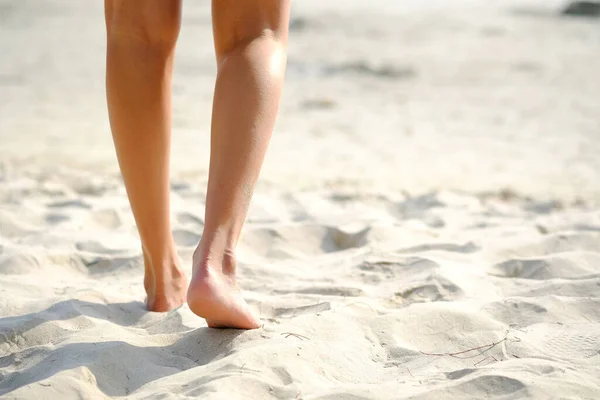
(223,261)
(162,269)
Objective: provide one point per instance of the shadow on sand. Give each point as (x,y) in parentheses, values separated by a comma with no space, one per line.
(119,367)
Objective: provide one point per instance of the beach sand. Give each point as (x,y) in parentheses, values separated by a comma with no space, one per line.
(427,224)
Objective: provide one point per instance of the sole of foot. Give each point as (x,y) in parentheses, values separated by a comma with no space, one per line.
(215,298)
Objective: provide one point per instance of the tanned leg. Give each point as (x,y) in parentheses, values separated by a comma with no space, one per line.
(250,41)
(141,37)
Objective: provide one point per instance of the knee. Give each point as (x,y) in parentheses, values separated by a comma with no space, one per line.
(237,23)
(148,23)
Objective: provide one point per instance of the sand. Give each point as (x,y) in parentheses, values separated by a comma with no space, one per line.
(427,224)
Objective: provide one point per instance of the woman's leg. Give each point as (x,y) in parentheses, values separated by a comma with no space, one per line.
(250,39)
(141,37)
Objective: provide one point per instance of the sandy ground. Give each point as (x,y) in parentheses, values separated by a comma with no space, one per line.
(426,225)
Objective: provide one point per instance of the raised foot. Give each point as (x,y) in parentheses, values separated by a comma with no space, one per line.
(216,298)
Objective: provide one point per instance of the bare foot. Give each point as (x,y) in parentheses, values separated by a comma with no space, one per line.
(165,292)
(214,295)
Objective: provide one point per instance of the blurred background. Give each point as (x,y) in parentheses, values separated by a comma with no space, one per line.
(396,95)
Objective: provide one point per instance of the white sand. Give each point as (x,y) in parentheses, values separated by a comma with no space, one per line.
(433,187)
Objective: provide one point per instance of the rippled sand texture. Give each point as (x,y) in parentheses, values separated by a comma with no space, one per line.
(364,296)
(426,226)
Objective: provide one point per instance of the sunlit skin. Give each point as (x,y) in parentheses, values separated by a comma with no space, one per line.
(250,39)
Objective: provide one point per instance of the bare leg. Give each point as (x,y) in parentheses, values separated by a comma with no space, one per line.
(250,39)
(141,37)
